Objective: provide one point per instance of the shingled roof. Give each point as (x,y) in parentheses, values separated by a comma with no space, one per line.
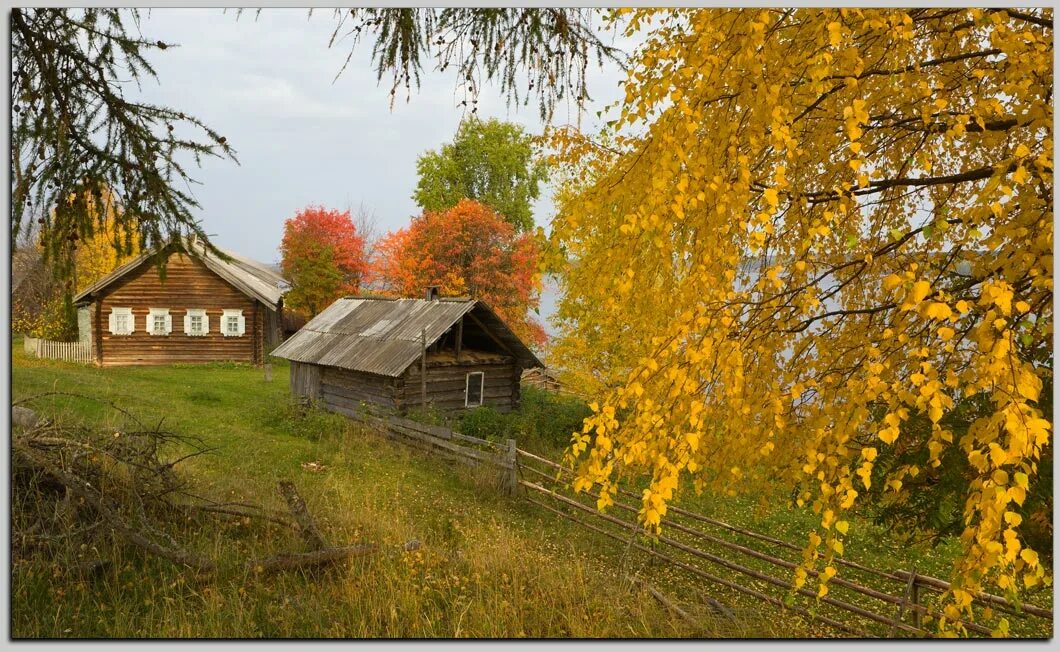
(383,336)
(250,277)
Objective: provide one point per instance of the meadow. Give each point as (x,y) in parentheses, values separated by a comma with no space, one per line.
(489,566)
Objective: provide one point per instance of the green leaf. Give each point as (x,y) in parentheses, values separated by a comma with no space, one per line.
(852,241)
(897,233)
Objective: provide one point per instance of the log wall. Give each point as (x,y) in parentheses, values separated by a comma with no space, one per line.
(188,284)
(446,384)
(305,380)
(343,388)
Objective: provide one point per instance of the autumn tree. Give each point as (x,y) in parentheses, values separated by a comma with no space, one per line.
(322,257)
(490,161)
(827,229)
(75,130)
(468,250)
(72,122)
(111,241)
(42,301)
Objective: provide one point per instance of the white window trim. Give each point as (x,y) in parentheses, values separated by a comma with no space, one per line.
(167,323)
(241,324)
(481,388)
(196,312)
(114,314)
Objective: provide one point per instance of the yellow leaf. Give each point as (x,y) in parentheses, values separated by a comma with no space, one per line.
(842,526)
(919,291)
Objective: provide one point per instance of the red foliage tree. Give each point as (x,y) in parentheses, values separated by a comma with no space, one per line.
(467,250)
(322,258)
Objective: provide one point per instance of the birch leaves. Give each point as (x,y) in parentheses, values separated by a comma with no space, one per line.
(807,229)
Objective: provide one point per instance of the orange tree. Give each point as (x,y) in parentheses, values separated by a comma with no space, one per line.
(466,250)
(822,226)
(322,258)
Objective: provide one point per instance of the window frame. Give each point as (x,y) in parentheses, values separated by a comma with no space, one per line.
(152,315)
(481,389)
(191,314)
(116,312)
(231,313)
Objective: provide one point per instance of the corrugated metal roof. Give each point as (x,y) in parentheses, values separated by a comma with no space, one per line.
(250,277)
(383,336)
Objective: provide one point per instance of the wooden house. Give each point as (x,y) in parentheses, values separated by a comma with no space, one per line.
(399,353)
(203,309)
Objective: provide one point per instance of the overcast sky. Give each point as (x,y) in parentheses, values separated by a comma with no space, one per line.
(266,84)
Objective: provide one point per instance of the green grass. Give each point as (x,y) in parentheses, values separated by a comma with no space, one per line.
(545,421)
(490,566)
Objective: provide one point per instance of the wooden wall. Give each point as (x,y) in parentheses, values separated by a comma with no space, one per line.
(446,384)
(347,389)
(188,284)
(305,380)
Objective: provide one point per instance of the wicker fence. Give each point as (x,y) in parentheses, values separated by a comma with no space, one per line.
(68,351)
(721,563)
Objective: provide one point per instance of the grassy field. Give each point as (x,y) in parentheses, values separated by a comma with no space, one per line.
(489,566)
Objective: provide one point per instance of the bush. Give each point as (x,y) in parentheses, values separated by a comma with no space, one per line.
(545,420)
(310,421)
(487,423)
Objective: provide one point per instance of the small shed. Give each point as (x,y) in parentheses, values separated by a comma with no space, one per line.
(205,308)
(400,353)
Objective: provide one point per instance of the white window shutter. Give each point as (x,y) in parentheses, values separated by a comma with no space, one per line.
(110,322)
(242,324)
(187,323)
(169,323)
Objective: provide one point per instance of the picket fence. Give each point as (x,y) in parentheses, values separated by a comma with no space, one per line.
(68,351)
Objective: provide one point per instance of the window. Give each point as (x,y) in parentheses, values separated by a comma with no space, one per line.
(159,322)
(121,321)
(233,324)
(473,391)
(196,322)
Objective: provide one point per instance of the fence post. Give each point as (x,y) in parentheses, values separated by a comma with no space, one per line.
(914,597)
(511,469)
(268,372)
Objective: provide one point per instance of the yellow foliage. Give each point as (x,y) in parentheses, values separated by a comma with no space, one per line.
(110,246)
(769,283)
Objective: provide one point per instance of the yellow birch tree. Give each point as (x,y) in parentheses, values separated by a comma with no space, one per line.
(805,227)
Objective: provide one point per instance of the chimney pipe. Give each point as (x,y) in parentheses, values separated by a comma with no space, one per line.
(432,293)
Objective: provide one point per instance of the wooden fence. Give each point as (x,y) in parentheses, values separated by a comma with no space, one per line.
(68,351)
(722,561)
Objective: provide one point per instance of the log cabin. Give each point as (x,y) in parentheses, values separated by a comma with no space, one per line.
(452,354)
(204,308)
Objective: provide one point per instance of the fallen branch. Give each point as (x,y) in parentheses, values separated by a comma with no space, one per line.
(293,560)
(96,501)
(301,514)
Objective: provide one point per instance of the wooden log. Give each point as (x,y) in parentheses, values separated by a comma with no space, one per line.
(293,560)
(301,515)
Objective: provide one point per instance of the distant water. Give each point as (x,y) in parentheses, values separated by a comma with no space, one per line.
(549,302)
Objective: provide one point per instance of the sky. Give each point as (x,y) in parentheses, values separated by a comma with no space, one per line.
(302,137)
